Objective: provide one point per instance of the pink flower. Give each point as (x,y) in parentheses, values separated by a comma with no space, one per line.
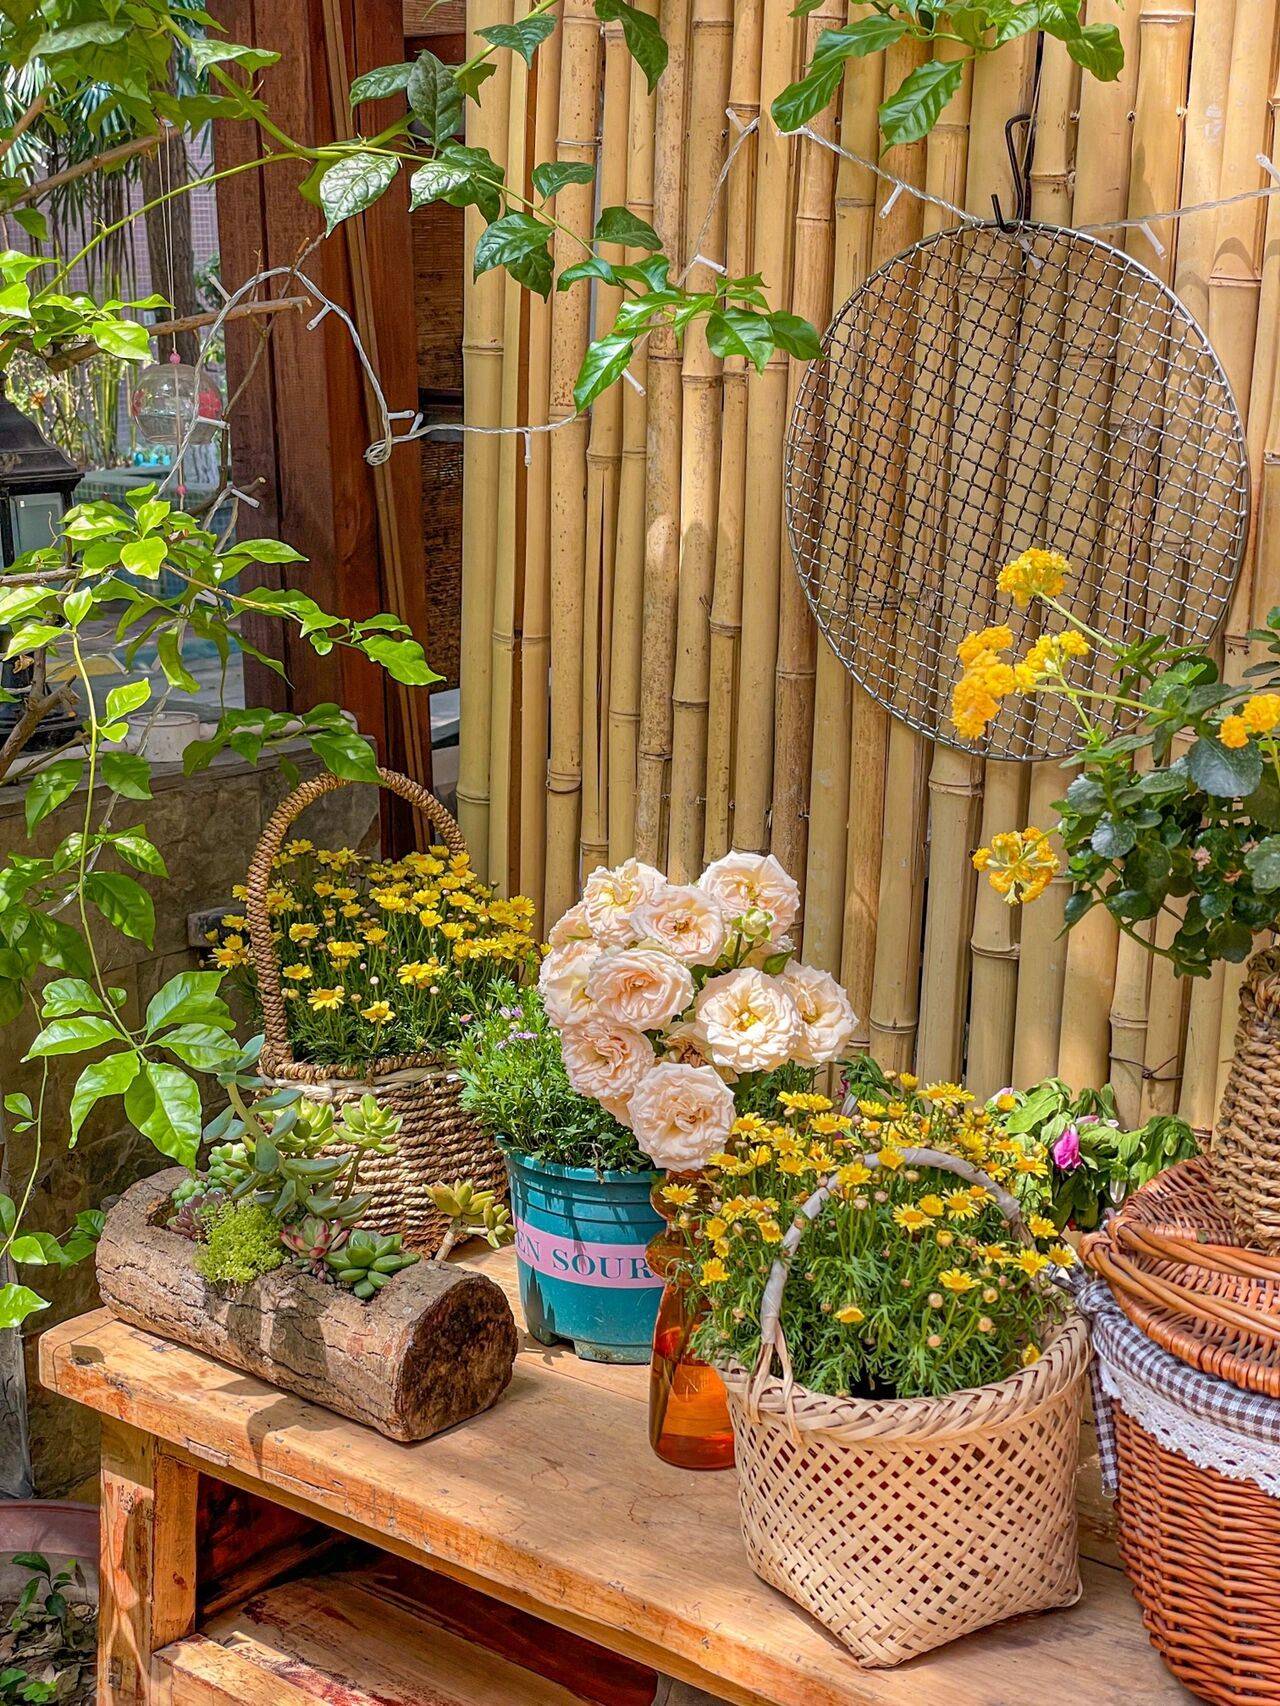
(747,1022)
(640,987)
(681,1115)
(606,1061)
(1066,1151)
(827,1020)
(754,887)
(609,897)
(684,921)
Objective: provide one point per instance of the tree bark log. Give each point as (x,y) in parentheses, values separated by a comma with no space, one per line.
(435,1346)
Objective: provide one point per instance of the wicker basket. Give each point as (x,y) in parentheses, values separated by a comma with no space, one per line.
(904,1524)
(1246,1141)
(1176,1267)
(438,1141)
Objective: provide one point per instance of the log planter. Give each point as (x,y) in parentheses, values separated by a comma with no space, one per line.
(435,1346)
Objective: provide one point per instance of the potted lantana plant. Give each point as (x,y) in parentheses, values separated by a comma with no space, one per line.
(680,1008)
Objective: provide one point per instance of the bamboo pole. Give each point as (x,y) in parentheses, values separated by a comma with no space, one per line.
(726,598)
(794,675)
(1202,155)
(662,494)
(482,364)
(702,392)
(766,419)
(505,660)
(570,333)
(628,575)
(535,645)
(604,460)
(840,916)
(894,1007)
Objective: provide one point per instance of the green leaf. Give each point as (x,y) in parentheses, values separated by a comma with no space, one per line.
(176,673)
(33,222)
(1228,773)
(471,78)
(523,37)
(1263,864)
(738,331)
(1112,840)
(144,557)
(16,1303)
(131,697)
(620,225)
(77,35)
(604,363)
(915,106)
(267,551)
(520,243)
(403,660)
(353,183)
(594,267)
(37,1250)
(641,34)
(794,334)
(206,51)
(555,174)
(127,773)
(134,846)
(123,338)
(164,1104)
(124,903)
(67,995)
(385,80)
(1077,905)
(19,1106)
(188,997)
(1098,49)
(204,1047)
(434,97)
(346,754)
(49,787)
(72,1036)
(463,177)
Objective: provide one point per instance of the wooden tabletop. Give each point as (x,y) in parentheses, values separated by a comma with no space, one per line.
(553,1501)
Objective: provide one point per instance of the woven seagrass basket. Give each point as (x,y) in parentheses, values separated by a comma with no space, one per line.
(1175,1265)
(1246,1140)
(438,1140)
(901,1525)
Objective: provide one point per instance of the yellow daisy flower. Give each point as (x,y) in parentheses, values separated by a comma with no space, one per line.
(326,1000)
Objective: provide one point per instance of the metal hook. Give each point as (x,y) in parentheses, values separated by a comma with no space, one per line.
(1020,171)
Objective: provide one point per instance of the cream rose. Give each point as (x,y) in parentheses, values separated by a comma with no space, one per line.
(827,1018)
(746,1021)
(749,882)
(562,981)
(685,921)
(641,987)
(606,1061)
(681,1115)
(609,897)
(571,927)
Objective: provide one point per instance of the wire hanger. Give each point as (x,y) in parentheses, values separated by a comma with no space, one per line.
(1020,172)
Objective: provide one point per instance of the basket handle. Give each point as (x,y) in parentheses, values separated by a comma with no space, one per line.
(276,1051)
(771,1335)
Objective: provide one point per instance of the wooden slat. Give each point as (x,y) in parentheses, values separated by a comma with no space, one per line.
(553,1503)
(426,18)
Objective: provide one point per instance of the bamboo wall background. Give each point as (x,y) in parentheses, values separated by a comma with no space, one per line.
(640,672)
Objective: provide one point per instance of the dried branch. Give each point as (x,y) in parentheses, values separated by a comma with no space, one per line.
(37,706)
(24,123)
(99,163)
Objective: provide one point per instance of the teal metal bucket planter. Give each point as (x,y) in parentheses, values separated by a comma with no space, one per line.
(580,1249)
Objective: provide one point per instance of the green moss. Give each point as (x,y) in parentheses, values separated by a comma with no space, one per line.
(242,1242)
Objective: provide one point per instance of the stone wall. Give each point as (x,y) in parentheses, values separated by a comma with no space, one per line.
(206,827)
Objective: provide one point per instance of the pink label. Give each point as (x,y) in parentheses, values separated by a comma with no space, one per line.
(580,1263)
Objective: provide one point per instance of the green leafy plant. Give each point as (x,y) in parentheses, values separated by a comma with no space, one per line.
(911,1281)
(970,29)
(513,1081)
(472,1214)
(241,1243)
(367,1260)
(47,1649)
(1095,1161)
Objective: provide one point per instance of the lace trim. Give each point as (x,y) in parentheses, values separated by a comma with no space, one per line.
(1209,1444)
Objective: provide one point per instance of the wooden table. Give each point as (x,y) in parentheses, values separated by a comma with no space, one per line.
(551,1503)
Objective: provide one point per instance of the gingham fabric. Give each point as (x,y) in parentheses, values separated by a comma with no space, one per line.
(1216,1424)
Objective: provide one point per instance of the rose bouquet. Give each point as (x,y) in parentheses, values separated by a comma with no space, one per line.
(680,1005)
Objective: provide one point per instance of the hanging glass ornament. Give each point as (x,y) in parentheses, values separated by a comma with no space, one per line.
(172,399)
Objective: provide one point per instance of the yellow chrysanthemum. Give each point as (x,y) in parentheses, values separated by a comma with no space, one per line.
(1030,1355)
(890,1160)
(850,1315)
(1062,1254)
(326,1000)
(1031,1262)
(960,1206)
(713,1272)
(303,932)
(1034,574)
(932,1204)
(910,1218)
(298,973)
(230,955)
(955,1279)
(1041,1226)
(377,1012)
(374,934)
(682,1196)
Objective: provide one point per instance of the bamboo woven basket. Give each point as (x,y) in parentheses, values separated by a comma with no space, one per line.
(1203,1554)
(1246,1140)
(1178,1269)
(901,1525)
(438,1141)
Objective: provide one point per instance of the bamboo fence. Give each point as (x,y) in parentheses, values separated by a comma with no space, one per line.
(641,673)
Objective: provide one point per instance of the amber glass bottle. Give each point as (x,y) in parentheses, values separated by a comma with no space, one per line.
(688,1413)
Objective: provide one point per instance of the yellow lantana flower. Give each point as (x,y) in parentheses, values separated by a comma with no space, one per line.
(1034,574)
(1020,864)
(1233,732)
(1261,714)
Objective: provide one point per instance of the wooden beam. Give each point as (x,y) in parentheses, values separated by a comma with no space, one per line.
(434,17)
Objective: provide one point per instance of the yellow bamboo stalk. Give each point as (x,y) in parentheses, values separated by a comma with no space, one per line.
(535,644)
(766,417)
(726,598)
(628,583)
(604,460)
(506,659)
(482,364)
(1265,349)
(702,392)
(812,271)
(1202,156)
(570,334)
(662,494)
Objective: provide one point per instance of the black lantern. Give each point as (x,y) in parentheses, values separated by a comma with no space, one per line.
(36,486)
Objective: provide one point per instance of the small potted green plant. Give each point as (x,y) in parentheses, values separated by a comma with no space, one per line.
(580,1185)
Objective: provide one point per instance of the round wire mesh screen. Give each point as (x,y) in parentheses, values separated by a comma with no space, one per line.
(987,391)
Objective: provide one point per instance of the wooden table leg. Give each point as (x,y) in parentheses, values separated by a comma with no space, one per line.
(148,1562)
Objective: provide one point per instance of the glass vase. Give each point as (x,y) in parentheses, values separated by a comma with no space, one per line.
(688,1412)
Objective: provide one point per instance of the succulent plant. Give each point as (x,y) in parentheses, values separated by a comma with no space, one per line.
(312,1241)
(472,1214)
(367,1261)
(190,1218)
